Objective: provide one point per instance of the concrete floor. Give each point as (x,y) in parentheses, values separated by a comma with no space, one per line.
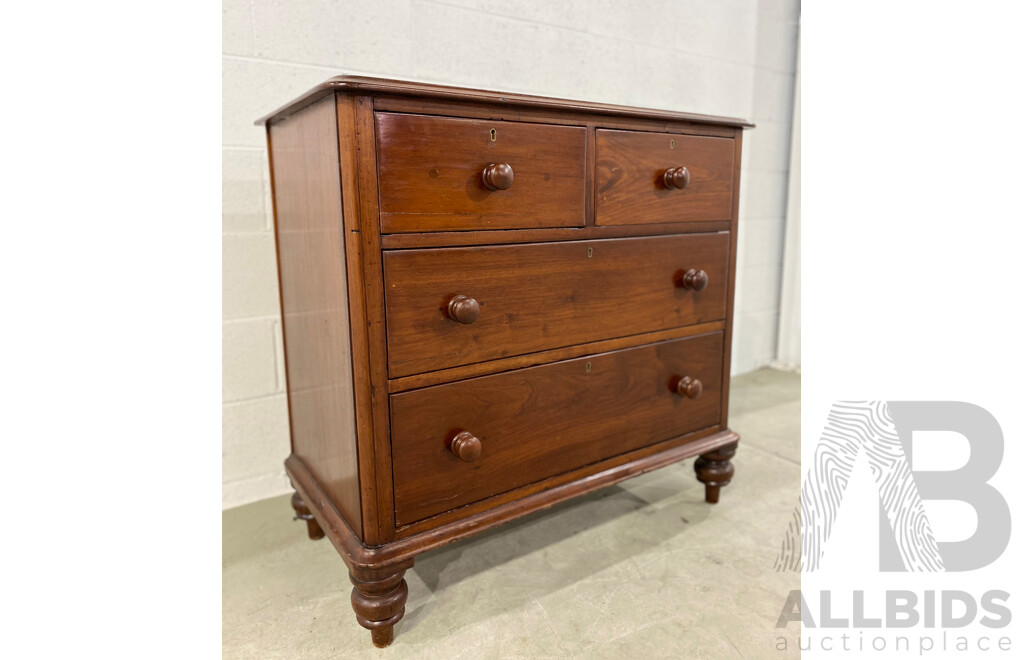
(641,569)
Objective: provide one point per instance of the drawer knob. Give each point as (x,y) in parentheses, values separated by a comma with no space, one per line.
(466,446)
(498,176)
(689,387)
(694,279)
(676,178)
(463,309)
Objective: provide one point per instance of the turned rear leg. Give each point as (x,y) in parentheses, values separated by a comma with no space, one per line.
(714,470)
(302,512)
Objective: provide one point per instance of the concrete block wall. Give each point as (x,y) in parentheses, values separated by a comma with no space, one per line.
(728,57)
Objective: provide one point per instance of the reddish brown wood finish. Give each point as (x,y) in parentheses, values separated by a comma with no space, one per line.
(529,298)
(440,531)
(302,512)
(689,387)
(362,260)
(498,176)
(421,94)
(365,164)
(434,174)
(543,357)
(443,530)
(694,279)
(463,309)
(458,107)
(537,422)
(632,169)
(466,446)
(676,178)
(314,314)
(378,598)
(731,299)
(464,238)
(714,470)
(536,297)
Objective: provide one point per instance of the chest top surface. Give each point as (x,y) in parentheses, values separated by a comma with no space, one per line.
(383,86)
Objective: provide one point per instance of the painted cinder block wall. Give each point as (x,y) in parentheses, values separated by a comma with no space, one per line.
(728,57)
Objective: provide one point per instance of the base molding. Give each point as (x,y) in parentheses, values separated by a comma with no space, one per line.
(377,573)
(362,557)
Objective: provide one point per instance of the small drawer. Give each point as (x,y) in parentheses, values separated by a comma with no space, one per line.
(442,173)
(453,306)
(649,178)
(462,442)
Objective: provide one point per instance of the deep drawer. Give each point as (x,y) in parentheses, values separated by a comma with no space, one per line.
(542,421)
(545,295)
(647,178)
(443,173)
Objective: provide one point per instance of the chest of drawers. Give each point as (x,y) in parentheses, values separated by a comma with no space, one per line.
(492,303)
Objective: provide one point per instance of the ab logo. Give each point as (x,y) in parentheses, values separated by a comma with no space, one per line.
(883,430)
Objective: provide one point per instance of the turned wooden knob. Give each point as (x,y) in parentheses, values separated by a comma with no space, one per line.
(498,176)
(694,279)
(466,446)
(676,178)
(689,387)
(463,309)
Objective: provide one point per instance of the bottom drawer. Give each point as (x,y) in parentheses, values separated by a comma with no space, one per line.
(542,421)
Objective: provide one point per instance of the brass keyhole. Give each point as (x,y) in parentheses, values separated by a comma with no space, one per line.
(588,367)
(590,252)
(671,144)
(494,135)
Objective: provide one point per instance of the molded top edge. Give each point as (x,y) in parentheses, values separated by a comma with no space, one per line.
(367,85)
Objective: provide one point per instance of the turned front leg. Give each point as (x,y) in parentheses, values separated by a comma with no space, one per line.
(302,512)
(714,470)
(378,598)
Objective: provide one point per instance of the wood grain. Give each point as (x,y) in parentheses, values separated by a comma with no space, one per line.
(458,238)
(313,282)
(361,354)
(431,174)
(541,296)
(473,519)
(426,91)
(630,178)
(538,422)
(651,457)
(378,598)
(497,111)
(730,300)
(715,469)
(521,361)
(379,480)
(534,326)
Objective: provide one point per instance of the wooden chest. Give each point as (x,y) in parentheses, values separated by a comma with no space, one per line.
(493,303)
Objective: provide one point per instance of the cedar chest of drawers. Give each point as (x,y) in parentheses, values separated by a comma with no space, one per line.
(492,303)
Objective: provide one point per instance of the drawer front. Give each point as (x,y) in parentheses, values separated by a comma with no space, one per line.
(542,421)
(546,295)
(640,180)
(432,174)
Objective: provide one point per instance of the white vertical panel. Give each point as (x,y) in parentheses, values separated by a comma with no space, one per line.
(789,306)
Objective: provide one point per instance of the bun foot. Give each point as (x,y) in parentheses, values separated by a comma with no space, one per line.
(714,470)
(378,598)
(302,512)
